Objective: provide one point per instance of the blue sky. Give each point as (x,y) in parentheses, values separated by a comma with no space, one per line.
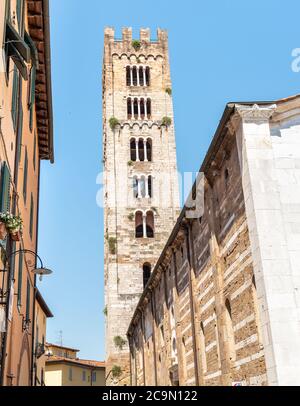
(220,51)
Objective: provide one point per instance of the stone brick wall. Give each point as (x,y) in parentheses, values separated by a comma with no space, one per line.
(124,263)
(205,313)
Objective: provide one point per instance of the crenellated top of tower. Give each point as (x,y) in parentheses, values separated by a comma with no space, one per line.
(145,37)
(130,45)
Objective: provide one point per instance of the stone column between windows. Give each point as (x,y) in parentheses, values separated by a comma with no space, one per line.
(139,188)
(145,151)
(131,76)
(144,225)
(146,187)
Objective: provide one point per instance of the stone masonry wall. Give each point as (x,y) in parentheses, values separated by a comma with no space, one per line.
(206,325)
(124,254)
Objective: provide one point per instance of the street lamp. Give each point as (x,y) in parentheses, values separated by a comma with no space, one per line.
(41,271)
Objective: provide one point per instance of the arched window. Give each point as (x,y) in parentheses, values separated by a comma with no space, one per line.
(139,231)
(133,149)
(141,150)
(147,76)
(230,331)
(129,108)
(141,76)
(128,79)
(148,108)
(146,273)
(134,76)
(150,186)
(149,149)
(150,224)
(142,108)
(135,109)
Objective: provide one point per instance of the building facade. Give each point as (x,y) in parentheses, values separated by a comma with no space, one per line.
(141,202)
(42,313)
(26,138)
(64,368)
(222,304)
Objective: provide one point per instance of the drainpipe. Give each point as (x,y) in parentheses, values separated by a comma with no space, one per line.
(188,243)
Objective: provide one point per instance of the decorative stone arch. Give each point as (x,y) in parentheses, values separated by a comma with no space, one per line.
(144,223)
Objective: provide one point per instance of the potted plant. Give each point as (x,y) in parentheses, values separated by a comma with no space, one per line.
(13,225)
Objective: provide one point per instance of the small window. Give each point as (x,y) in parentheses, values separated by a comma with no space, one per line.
(139,225)
(133,150)
(141,150)
(146,273)
(150,224)
(149,108)
(70,374)
(134,75)
(128,81)
(94,376)
(147,76)
(149,149)
(83,376)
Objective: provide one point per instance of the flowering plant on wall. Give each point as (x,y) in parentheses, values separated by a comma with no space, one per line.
(13,224)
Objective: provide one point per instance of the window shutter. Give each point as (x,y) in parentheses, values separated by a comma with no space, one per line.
(32,95)
(5,187)
(15,98)
(19,136)
(20,14)
(34,151)
(31,217)
(25,176)
(20,278)
(28,301)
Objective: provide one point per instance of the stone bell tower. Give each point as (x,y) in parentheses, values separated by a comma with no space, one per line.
(140,175)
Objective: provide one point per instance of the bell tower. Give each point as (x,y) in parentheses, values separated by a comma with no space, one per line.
(141,194)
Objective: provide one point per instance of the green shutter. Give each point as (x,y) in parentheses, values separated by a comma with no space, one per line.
(25,175)
(19,135)
(5,187)
(28,301)
(7,10)
(15,98)
(32,95)
(34,151)
(20,15)
(20,274)
(31,217)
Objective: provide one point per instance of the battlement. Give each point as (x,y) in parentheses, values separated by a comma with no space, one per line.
(145,36)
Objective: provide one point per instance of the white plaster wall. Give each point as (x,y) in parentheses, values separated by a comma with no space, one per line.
(271,183)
